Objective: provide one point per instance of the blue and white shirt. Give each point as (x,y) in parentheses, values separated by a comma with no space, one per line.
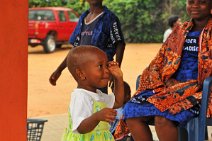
(106,33)
(188,68)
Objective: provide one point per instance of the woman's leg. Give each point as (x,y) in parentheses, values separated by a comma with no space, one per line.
(166,130)
(139,129)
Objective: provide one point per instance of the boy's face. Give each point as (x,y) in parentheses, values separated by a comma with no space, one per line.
(199,9)
(96,71)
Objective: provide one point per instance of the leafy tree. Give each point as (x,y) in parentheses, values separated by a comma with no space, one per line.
(43,3)
(142,20)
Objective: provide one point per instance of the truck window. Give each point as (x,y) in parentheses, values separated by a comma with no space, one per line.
(62,17)
(40,15)
(72,17)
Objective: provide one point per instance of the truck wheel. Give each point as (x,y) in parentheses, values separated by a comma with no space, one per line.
(49,44)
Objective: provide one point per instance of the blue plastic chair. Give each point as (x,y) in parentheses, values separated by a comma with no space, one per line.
(197,127)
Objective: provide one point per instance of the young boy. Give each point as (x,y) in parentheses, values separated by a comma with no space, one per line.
(90,109)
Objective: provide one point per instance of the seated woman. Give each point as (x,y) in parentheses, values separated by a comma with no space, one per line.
(170,88)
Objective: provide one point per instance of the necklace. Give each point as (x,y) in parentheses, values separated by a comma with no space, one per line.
(93,14)
(89,20)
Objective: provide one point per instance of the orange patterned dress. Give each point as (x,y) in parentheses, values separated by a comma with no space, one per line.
(160,92)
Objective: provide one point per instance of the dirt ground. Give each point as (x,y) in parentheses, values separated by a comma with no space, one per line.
(44,99)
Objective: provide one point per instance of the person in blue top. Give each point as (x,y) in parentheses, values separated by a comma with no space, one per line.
(98,27)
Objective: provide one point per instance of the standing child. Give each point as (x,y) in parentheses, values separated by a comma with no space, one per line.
(99,27)
(119,127)
(90,109)
(170,88)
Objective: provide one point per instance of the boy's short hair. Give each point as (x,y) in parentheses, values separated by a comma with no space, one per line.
(77,56)
(172,19)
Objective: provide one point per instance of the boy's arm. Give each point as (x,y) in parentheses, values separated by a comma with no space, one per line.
(88,124)
(118,83)
(81,112)
(119,92)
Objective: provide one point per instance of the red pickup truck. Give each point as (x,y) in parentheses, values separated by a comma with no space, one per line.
(50,26)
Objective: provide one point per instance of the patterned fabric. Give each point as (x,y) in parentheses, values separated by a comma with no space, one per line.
(100,133)
(119,127)
(121,130)
(139,107)
(169,94)
(107,33)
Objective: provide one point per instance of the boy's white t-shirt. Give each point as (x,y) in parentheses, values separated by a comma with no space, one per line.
(81,105)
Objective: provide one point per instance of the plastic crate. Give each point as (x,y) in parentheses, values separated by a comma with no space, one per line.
(35,129)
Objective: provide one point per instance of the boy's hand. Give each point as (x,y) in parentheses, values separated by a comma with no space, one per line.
(115,70)
(106,114)
(118,91)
